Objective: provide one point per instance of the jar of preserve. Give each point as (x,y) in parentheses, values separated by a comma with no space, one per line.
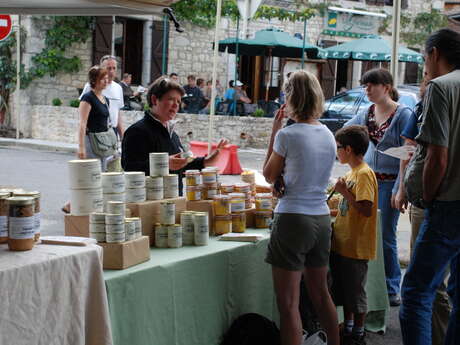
(4,217)
(21,227)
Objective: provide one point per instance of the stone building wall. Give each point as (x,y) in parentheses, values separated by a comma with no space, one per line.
(61,124)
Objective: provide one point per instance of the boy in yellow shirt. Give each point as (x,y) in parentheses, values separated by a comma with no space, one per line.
(355,232)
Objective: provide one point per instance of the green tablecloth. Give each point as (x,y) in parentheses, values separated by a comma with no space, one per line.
(190,295)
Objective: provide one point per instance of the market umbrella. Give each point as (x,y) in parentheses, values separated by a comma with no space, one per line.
(271,42)
(372,48)
(274,41)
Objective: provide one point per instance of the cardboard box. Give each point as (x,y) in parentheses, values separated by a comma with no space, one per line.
(76,225)
(149,213)
(118,256)
(250,218)
(204,206)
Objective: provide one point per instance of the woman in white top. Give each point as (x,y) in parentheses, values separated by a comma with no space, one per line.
(301,157)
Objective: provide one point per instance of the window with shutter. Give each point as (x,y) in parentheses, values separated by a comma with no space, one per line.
(157,49)
(102,38)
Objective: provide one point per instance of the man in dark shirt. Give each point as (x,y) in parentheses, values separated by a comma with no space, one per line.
(193,97)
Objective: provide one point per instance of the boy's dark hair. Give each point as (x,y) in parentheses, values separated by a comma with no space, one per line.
(357,137)
(447,41)
(380,76)
(191,77)
(173,75)
(230,83)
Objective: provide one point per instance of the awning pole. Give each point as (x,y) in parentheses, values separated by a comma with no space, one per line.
(395,40)
(304,38)
(212,110)
(18,76)
(165,44)
(236,62)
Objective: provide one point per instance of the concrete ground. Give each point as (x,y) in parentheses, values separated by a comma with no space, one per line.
(41,165)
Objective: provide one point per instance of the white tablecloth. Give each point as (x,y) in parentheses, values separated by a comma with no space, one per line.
(53,295)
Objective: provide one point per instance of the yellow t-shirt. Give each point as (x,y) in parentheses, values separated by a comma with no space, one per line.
(355,236)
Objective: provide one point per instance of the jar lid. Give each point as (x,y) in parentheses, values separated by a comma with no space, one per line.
(236,195)
(134,173)
(79,161)
(192,172)
(228,217)
(4,195)
(263,213)
(263,196)
(221,197)
(113,202)
(241,215)
(170,176)
(112,174)
(20,200)
(201,214)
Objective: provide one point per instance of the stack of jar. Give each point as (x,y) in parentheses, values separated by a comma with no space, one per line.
(210,177)
(85,186)
(113,188)
(264,210)
(168,186)
(108,227)
(249,176)
(17,220)
(230,213)
(135,186)
(245,189)
(193,185)
(167,232)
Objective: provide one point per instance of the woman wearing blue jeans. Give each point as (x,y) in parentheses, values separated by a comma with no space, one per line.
(385,120)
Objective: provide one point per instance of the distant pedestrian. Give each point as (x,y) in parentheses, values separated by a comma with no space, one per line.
(193,98)
(174,77)
(432,182)
(113,92)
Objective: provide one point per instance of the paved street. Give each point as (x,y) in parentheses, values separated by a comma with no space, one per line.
(46,171)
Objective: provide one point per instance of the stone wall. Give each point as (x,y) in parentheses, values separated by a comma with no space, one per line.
(61,124)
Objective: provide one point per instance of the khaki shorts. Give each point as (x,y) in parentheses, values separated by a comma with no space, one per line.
(349,278)
(298,241)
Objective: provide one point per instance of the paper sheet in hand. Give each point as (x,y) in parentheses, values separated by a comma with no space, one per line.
(402,152)
(241,237)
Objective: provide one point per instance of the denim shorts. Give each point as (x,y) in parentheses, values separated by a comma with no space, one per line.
(298,241)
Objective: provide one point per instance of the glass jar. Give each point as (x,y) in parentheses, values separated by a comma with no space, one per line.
(242,187)
(239,222)
(263,219)
(4,216)
(226,188)
(192,178)
(223,224)
(237,202)
(21,226)
(222,206)
(264,202)
(193,193)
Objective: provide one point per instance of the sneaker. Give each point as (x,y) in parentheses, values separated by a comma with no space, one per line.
(358,339)
(395,300)
(318,338)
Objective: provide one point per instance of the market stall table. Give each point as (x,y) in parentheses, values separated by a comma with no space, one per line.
(192,294)
(53,295)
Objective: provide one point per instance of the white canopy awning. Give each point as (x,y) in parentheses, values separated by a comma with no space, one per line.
(83,7)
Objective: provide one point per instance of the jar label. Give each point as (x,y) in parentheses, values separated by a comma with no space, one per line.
(37,222)
(265,204)
(21,228)
(3,226)
(237,207)
(209,179)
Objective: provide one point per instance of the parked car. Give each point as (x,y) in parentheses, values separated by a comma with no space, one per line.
(342,107)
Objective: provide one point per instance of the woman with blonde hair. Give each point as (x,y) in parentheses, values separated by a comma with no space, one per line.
(302,156)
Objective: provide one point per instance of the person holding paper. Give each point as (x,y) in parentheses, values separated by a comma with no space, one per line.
(385,120)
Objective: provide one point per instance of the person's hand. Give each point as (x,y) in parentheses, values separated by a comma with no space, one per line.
(341,186)
(176,162)
(279,117)
(222,143)
(81,154)
(399,201)
(278,187)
